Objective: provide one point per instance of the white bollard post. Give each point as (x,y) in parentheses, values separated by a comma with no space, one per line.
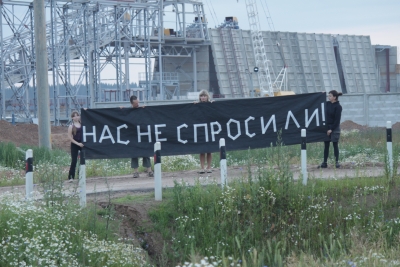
(82,180)
(157,172)
(304,156)
(222,162)
(389,147)
(29,174)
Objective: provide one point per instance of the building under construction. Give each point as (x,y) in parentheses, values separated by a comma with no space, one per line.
(91,43)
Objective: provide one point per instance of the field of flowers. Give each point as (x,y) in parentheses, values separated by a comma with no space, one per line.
(57,232)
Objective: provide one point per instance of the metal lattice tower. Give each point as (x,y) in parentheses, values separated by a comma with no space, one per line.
(264,75)
(90,42)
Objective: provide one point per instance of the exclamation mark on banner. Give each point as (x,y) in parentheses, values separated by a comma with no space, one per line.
(323,113)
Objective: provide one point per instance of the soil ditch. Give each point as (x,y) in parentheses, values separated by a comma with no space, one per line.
(137,227)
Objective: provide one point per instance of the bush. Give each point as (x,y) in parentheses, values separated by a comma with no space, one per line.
(10,156)
(43,155)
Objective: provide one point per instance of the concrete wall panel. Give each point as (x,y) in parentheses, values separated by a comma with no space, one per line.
(371,109)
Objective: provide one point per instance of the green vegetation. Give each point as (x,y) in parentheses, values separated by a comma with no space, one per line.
(10,156)
(356,147)
(279,221)
(267,219)
(264,218)
(57,232)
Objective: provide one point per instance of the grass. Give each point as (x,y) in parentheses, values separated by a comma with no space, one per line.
(12,164)
(357,148)
(272,222)
(127,199)
(10,156)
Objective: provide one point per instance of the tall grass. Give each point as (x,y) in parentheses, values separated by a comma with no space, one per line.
(13,160)
(356,147)
(14,157)
(267,219)
(278,221)
(10,156)
(11,164)
(44,155)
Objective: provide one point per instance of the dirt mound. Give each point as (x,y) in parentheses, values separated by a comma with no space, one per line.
(28,134)
(350,125)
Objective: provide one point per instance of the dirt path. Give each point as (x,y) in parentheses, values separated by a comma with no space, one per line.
(121,185)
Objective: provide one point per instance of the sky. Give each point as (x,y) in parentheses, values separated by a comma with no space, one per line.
(380,19)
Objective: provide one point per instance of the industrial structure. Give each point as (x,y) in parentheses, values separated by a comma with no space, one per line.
(95,42)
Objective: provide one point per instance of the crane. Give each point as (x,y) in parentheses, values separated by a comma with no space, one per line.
(267,86)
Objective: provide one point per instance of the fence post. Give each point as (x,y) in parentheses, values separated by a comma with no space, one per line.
(304,156)
(157,172)
(29,174)
(389,147)
(82,179)
(222,162)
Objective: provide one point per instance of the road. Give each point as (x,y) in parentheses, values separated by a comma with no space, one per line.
(126,184)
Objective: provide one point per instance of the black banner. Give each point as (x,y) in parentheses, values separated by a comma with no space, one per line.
(197,128)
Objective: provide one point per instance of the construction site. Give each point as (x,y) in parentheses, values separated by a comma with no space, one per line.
(92,43)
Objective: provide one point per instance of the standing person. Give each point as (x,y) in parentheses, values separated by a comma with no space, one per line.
(75,135)
(135,161)
(333,116)
(204,97)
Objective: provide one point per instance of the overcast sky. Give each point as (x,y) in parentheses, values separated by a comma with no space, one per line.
(380,19)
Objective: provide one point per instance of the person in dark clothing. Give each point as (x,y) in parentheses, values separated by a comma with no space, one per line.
(333,116)
(75,135)
(204,97)
(135,161)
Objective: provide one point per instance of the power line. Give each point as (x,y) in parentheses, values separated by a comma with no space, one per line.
(268,15)
(216,17)
(211,8)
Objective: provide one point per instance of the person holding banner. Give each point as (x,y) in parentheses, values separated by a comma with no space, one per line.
(333,116)
(135,161)
(204,97)
(75,135)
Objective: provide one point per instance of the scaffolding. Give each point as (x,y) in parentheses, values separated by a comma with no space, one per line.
(90,42)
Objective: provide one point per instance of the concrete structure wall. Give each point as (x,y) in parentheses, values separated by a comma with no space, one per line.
(371,109)
(358,61)
(316,62)
(381,58)
(398,81)
(232,50)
